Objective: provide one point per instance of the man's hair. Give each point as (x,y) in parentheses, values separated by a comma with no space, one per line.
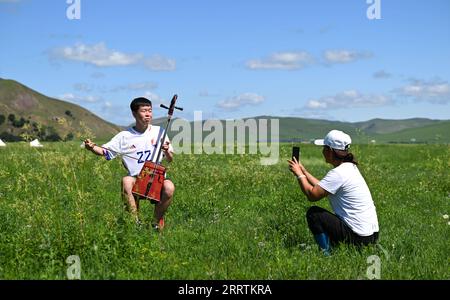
(138,102)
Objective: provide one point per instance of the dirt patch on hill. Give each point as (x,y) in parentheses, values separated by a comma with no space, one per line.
(25,102)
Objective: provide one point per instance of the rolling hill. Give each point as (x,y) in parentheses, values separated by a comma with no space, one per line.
(23,110)
(416,130)
(381,126)
(438,133)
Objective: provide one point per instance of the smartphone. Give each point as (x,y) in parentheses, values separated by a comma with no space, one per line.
(296,152)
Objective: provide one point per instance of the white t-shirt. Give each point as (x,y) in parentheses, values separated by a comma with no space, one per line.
(351,199)
(140,146)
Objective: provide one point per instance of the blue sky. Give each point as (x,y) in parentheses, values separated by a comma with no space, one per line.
(232,59)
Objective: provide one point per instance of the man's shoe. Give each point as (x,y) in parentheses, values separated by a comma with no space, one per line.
(159,226)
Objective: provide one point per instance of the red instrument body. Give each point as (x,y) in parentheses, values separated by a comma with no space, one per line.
(149,182)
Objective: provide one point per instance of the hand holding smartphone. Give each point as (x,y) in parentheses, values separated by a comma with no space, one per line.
(296,152)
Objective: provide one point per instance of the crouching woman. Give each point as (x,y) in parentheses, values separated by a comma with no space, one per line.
(355,219)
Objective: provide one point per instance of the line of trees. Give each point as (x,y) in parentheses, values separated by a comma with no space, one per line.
(31,130)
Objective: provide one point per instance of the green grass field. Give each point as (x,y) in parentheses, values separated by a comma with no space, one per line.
(231,218)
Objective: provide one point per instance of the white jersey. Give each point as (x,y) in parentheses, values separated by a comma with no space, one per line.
(351,199)
(136,147)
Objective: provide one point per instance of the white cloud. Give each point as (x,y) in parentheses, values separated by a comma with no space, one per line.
(344,56)
(82,87)
(148,85)
(155,98)
(300,59)
(434,91)
(100,56)
(67,97)
(381,75)
(314,104)
(204,93)
(311,114)
(282,61)
(79,99)
(87,87)
(97,75)
(116,113)
(107,105)
(142,85)
(160,63)
(237,102)
(348,99)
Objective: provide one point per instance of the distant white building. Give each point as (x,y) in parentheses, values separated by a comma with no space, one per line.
(36,144)
(373,141)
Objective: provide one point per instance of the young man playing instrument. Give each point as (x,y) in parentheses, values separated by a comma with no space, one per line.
(138,144)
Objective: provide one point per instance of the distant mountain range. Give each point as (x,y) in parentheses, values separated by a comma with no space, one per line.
(416,130)
(24,111)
